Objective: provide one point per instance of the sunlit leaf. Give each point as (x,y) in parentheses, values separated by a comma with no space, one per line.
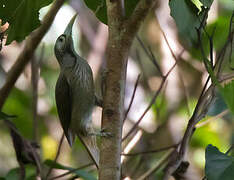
(22,15)
(206,135)
(218,165)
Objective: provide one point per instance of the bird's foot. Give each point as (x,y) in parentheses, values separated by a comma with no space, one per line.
(101,133)
(104,133)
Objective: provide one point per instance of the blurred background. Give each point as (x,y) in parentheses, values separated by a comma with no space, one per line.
(33,98)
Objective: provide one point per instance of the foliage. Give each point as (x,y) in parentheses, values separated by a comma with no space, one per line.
(218,165)
(187,15)
(22,15)
(188,18)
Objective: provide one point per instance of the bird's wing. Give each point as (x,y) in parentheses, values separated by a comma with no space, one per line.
(64,102)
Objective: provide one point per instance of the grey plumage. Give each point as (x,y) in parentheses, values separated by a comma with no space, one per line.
(74,93)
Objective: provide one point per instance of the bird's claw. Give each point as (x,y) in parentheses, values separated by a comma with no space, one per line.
(103,133)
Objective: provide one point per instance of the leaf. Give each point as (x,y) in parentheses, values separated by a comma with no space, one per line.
(56,165)
(218,106)
(13,174)
(228,94)
(187,18)
(80,173)
(22,15)
(99,8)
(218,165)
(207,3)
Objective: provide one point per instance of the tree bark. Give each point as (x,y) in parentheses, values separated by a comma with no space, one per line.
(121,34)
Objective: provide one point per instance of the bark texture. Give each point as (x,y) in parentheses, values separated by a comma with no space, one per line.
(122,31)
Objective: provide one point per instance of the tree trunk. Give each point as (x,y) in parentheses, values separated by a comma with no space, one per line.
(121,34)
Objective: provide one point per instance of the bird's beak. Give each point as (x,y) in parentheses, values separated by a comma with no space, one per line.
(68,30)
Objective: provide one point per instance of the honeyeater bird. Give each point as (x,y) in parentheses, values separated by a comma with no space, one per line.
(75,94)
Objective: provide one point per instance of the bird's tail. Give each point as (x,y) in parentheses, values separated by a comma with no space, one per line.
(89,141)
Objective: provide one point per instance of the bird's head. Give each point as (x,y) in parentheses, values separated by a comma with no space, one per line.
(64,43)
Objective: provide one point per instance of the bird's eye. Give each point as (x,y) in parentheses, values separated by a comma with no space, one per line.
(62,39)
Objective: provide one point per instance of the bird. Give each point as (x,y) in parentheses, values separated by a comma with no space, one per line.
(75,94)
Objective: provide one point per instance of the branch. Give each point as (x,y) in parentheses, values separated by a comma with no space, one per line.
(121,35)
(151,151)
(30,46)
(206,97)
(150,104)
(57,155)
(132,98)
(157,165)
(35,75)
(71,171)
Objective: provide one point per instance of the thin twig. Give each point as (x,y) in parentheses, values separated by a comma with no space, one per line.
(71,171)
(57,155)
(35,71)
(154,59)
(186,94)
(220,115)
(157,165)
(152,151)
(151,56)
(144,74)
(150,104)
(167,42)
(200,111)
(132,98)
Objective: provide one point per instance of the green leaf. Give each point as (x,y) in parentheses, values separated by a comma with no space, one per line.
(218,106)
(99,8)
(14,173)
(228,94)
(56,165)
(19,103)
(187,17)
(207,3)
(218,165)
(22,15)
(80,173)
(206,135)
